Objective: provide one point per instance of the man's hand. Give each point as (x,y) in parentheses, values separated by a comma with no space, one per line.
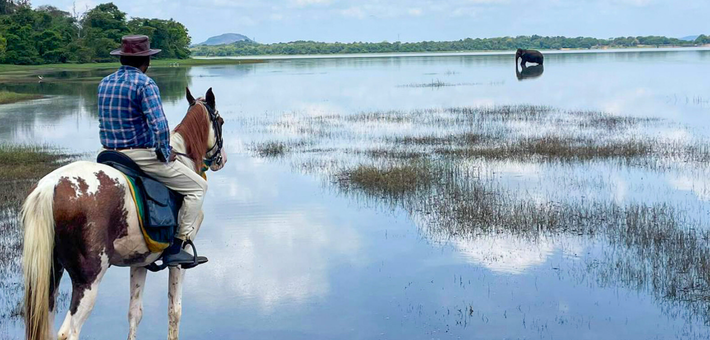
(159,153)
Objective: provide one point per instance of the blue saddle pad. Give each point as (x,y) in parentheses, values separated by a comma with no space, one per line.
(157,205)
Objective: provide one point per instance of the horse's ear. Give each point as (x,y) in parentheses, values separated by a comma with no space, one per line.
(190,98)
(210,98)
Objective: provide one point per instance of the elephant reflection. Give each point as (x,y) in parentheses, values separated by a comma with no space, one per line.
(531,72)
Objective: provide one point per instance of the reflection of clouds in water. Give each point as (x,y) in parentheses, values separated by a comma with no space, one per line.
(678,135)
(529,171)
(510,254)
(275,246)
(619,187)
(280,258)
(243,181)
(626,101)
(318,109)
(698,185)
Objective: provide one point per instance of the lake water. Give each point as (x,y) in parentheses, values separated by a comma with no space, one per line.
(294,257)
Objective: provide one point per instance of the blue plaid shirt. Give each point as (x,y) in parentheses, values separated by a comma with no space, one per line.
(131,112)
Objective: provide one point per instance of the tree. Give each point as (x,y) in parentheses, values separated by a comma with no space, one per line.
(20,48)
(103,27)
(50,35)
(167,35)
(3,47)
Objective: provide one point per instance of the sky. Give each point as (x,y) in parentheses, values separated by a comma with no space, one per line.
(417,20)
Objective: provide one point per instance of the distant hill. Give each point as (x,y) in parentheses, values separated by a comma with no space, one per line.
(690,38)
(224,39)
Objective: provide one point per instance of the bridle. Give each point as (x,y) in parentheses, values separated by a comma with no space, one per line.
(214,153)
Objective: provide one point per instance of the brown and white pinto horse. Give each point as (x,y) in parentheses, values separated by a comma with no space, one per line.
(82,218)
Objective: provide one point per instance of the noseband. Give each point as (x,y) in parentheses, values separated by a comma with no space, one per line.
(214,153)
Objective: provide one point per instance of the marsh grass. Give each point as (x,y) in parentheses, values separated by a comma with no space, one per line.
(271,149)
(664,251)
(556,148)
(511,132)
(21,166)
(461,139)
(424,166)
(7,97)
(394,180)
(279,148)
(438,84)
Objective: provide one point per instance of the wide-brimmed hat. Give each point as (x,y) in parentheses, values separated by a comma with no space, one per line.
(135,46)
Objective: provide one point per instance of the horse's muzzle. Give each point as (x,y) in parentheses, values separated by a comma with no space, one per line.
(216,166)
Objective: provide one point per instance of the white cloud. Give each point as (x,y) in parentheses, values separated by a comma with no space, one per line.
(305,3)
(81,6)
(354,12)
(415,12)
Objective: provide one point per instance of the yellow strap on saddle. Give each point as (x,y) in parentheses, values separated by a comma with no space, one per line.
(153,246)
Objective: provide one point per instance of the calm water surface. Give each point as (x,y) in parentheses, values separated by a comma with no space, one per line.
(292,257)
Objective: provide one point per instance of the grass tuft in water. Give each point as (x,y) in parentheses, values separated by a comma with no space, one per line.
(7,97)
(394,180)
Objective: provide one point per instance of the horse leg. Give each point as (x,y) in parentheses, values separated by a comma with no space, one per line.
(85,285)
(135,309)
(175,302)
(54,291)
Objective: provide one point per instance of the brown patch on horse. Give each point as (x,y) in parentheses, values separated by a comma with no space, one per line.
(195,131)
(86,225)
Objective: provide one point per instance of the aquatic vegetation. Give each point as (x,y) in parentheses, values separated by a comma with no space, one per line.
(394,180)
(276,148)
(437,84)
(7,97)
(429,162)
(20,167)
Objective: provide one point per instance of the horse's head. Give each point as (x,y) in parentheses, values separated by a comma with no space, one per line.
(518,54)
(215,156)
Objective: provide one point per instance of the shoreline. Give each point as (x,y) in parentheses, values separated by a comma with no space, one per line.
(8,69)
(263,58)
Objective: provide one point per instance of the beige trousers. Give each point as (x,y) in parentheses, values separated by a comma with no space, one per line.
(177,177)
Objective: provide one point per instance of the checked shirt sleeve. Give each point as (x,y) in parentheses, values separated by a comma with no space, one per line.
(153,109)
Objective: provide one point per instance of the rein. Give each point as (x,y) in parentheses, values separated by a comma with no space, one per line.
(214,153)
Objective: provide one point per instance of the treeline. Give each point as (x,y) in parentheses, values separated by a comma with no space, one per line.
(48,35)
(488,44)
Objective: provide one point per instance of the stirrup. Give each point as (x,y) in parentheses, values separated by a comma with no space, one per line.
(196,260)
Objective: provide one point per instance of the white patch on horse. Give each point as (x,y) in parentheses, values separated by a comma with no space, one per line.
(85,173)
(86,304)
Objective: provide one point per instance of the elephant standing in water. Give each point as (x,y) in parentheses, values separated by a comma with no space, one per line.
(529,56)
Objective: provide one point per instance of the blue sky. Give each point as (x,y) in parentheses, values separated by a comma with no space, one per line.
(417,20)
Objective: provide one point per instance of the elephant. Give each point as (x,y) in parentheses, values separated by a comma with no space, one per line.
(529,56)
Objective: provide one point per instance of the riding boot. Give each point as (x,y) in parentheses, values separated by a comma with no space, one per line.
(175,255)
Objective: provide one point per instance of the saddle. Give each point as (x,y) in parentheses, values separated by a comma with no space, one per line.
(157,205)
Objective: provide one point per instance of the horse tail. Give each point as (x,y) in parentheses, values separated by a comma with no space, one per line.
(37,261)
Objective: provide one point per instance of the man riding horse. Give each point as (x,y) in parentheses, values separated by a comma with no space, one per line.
(88,216)
(132,121)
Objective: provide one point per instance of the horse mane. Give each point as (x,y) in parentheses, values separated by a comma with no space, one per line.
(195,129)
